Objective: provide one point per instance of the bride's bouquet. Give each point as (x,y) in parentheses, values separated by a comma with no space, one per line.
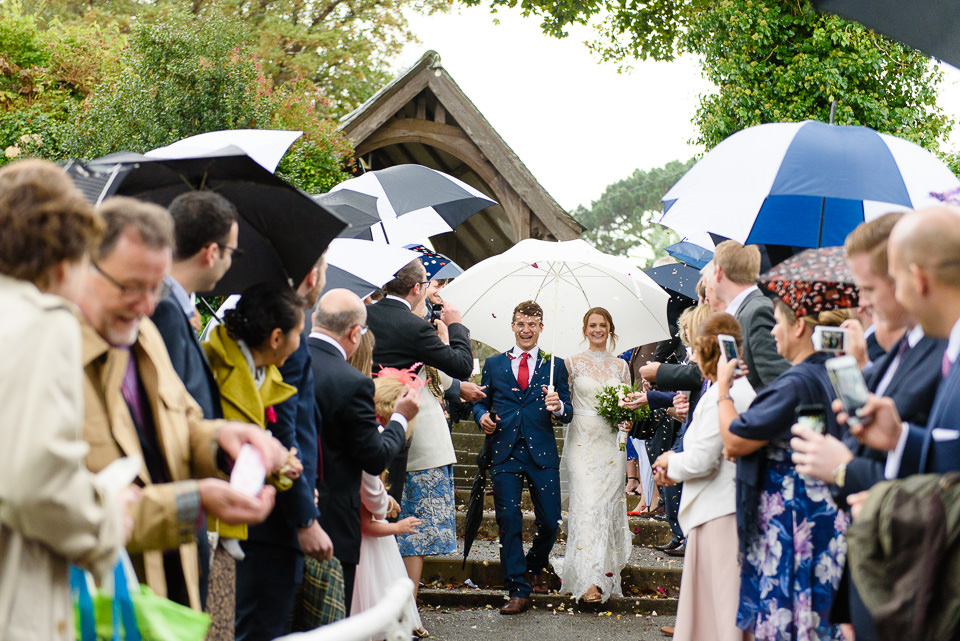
(609,407)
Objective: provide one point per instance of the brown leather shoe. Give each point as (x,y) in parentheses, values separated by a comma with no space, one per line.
(515,605)
(667,630)
(538,583)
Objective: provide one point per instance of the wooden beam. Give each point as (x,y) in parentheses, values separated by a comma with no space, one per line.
(440,114)
(422,107)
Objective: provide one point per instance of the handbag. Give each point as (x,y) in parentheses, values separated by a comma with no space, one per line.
(321,597)
(128,611)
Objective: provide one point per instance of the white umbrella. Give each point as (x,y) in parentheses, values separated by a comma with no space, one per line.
(801,184)
(566,278)
(265,146)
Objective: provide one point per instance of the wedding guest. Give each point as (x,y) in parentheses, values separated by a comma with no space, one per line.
(135,404)
(710,584)
(787,524)
(54,511)
(244,352)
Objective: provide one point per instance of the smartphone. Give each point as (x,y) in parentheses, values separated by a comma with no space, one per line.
(812,416)
(829,339)
(728,344)
(249,473)
(848,383)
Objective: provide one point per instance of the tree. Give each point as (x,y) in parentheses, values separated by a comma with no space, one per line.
(621,221)
(166,82)
(343,46)
(771,60)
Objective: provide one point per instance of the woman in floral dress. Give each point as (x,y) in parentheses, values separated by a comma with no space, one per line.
(792,544)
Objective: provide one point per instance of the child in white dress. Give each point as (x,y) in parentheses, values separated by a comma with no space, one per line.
(380,562)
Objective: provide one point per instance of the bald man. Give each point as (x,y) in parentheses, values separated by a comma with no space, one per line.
(924,259)
(350,441)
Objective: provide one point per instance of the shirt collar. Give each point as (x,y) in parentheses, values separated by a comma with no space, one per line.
(516,351)
(331,340)
(402,300)
(184,300)
(914,335)
(953,344)
(738,300)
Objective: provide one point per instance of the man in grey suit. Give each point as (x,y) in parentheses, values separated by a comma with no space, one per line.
(734,277)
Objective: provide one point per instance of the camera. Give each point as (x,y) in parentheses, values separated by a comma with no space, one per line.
(829,339)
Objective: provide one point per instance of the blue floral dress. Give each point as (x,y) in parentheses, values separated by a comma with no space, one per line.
(791,572)
(793,560)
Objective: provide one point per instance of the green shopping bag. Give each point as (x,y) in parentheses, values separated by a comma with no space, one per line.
(131,614)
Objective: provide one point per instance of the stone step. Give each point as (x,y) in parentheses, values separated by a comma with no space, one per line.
(646,531)
(466,597)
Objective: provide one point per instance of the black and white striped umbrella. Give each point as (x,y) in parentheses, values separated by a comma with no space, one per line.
(415,202)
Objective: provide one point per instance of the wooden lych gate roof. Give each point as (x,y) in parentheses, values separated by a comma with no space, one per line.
(423,117)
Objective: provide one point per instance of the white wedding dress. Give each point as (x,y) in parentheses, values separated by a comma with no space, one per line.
(592,476)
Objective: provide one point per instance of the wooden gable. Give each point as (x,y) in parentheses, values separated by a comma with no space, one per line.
(423,117)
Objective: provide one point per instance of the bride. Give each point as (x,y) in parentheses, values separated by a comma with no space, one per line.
(592,469)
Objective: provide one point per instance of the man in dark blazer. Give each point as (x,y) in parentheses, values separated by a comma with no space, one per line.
(923,250)
(205,226)
(734,276)
(517,414)
(350,440)
(271,573)
(402,339)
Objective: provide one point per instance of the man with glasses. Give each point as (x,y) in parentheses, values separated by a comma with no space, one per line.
(350,439)
(136,405)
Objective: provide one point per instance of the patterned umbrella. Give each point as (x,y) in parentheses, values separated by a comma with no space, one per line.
(438,266)
(815,280)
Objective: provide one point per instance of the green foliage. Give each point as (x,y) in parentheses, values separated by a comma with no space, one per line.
(772,61)
(620,222)
(342,46)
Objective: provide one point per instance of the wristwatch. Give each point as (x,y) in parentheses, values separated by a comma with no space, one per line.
(840,475)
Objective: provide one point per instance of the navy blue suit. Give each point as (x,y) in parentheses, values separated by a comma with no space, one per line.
(267,579)
(923,454)
(523,446)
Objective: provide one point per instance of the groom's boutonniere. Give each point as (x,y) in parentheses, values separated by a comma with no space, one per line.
(545,356)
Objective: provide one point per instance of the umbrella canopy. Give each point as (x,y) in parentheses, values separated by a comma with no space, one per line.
(282,230)
(693,255)
(358,210)
(932,26)
(815,280)
(438,266)
(677,278)
(803,184)
(566,278)
(363,266)
(415,202)
(265,146)
(474,516)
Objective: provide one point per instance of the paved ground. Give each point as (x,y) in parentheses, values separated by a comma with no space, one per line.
(479,625)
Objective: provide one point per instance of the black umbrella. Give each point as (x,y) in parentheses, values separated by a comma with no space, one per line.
(474,517)
(677,278)
(358,210)
(282,230)
(932,26)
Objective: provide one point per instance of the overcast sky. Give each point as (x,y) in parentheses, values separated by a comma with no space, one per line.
(577,124)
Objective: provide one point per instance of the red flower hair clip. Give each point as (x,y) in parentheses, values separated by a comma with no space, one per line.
(405,376)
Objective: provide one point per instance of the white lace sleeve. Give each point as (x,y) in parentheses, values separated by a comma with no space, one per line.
(624,371)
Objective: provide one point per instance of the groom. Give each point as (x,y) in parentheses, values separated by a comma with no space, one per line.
(516,415)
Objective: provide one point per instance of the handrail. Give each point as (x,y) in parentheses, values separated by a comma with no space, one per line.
(388,619)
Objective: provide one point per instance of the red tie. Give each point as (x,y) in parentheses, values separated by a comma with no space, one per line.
(523,374)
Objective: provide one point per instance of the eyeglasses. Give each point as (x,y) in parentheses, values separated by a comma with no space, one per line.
(363,329)
(129,291)
(237,252)
(423,282)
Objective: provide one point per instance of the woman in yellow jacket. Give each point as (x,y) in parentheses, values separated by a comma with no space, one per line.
(245,354)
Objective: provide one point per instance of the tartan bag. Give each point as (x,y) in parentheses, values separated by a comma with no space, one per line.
(320,599)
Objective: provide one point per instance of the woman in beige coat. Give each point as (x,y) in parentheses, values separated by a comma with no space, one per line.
(52,512)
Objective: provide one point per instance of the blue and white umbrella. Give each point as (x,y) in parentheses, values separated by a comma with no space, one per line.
(803,184)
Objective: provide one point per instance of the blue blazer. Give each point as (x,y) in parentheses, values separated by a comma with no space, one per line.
(522,412)
(912,389)
(922,453)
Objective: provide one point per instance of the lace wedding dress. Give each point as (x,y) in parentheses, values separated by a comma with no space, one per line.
(593,472)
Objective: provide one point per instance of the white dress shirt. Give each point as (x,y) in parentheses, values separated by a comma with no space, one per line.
(515,360)
(734,305)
